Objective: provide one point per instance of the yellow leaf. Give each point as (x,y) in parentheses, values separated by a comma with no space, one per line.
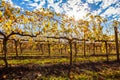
(44,29)
(36,33)
(14,36)
(0,13)
(31,19)
(25,20)
(22,16)
(12,17)
(68,50)
(20,31)
(3,3)
(8,12)
(48,24)
(7,31)
(27,12)
(30,40)
(8,24)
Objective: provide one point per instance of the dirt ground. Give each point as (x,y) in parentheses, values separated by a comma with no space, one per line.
(32,71)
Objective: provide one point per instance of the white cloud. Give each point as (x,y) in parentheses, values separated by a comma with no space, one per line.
(33,4)
(56,6)
(114,12)
(119,19)
(107,3)
(111,11)
(51,1)
(96,12)
(42,2)
(36,0)
(93,1)
(76,9)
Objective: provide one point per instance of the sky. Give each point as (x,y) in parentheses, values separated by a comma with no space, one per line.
(109,9)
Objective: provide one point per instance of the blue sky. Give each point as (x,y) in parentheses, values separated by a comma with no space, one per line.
(76,8)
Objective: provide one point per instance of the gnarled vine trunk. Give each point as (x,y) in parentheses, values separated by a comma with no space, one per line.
(5,51)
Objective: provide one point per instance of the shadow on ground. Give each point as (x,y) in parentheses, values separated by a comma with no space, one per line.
(31,71)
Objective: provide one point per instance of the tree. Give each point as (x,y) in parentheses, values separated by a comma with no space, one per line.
(12,22)
(95,24)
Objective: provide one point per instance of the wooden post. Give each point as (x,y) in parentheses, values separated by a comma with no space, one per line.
(16,45)
(21,50)
(65,48)
(116,41)
(61,50)
(106,51)
(1,47)
(84,48)
(70,67)
(75,45)
(70,44)
(41,48)
(94,48)
(49,48)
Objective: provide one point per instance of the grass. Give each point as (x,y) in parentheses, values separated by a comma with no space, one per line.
(54,60)
(36,61)
(106,72)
